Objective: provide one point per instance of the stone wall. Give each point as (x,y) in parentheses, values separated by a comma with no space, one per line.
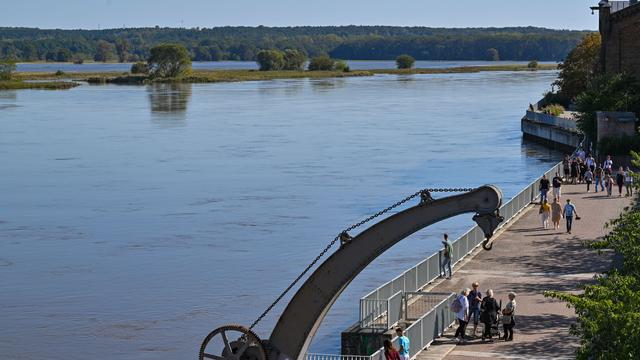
(621,40)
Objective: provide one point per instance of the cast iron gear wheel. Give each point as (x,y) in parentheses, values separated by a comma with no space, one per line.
(247,346)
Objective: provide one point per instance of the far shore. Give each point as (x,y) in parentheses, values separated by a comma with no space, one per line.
(215,76)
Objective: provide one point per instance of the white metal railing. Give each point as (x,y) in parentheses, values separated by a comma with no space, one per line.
(381,313)
(311,356)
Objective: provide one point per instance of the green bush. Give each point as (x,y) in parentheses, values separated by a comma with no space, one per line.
(59,73)
(294,60)
(7,68)
(533,64)
(556,98)
(341,65)
(553,109)
(270,60)
(321,63)
(405,61)
(140,68)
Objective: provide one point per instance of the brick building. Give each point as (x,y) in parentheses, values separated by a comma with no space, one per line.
(620,31)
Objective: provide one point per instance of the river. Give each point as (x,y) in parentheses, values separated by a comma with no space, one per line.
(136,219)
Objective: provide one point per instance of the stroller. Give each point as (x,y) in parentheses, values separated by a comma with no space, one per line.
(495,323)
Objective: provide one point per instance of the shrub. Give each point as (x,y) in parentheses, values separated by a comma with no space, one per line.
(321,63)
(59,73)
(294,60)
(169,60)
(493,54)
(140,68)
(533,64)
(553,109)
(405,61)
(341,65)
(7,68)
(555,98)
(270,60)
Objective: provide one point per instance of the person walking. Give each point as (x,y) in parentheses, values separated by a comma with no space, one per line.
(545,213)
(404,344)
(556,213)
(568,213)
(544,188)
(475,299)
(447,253)
(556,182)
(628,181)
(598,175)
(390,352)
(607,166)
(608,183)
(462,315)
(588,178)
(574,170)
(591,162)
(566,168)
(620,180)
(489,315)
(508,317)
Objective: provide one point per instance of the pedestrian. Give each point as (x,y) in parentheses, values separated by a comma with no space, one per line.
(566,168)
(556,182)
(607,166)
(508,317)
(475,299)
(447,253)
(608,183)
(583,169)
(628,181)
(544,188)
(489,315)
(574,171)
(620,180)
(598,174)
(591,163)
(390,352)
(580,154)
(545,213)
(568,212)
(462,315)
(556,213)
(404,344)
(588,178)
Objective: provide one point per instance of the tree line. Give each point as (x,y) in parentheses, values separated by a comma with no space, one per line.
(244,43)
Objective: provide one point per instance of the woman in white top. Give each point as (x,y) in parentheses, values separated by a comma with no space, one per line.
(628,181)
(462,315)
(508,318)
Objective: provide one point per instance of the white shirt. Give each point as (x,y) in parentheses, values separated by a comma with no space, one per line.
(608,164)
(462,314)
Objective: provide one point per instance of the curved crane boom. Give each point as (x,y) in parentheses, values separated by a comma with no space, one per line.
(303,315)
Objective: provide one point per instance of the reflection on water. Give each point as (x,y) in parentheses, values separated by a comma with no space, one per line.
(169,101)
(327,84)
(8,94)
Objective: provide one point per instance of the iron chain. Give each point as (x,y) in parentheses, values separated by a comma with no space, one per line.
(352,227)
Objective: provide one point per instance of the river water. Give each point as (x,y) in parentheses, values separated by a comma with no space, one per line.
(135,219)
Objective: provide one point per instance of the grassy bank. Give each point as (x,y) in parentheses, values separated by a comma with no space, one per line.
(47,85)
(214,76)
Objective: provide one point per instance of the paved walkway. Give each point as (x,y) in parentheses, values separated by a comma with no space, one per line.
(529,260)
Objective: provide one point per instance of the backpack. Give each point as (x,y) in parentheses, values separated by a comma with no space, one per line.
(456,305)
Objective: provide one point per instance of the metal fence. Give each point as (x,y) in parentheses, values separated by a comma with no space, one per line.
(381,313)
(548,119)
(310,356)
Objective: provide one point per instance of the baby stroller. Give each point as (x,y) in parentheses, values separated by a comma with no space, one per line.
(494,331)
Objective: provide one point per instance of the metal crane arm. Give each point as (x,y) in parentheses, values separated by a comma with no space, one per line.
(305,312)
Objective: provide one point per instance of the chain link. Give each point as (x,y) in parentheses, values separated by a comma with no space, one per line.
(352,227)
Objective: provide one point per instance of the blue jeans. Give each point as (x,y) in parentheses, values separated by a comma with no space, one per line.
(446,263)
(598,182)
(569,222)
(543,195)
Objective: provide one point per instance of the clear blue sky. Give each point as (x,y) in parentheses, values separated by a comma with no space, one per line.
(91,14)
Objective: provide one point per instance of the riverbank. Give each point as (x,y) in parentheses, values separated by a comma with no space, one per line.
(39,85)
(213,76)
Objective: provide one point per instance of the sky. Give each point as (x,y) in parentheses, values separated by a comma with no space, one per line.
(101,14)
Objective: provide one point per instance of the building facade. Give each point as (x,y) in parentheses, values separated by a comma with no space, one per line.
(620,31)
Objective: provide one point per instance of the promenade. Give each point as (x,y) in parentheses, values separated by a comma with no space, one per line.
(529,260)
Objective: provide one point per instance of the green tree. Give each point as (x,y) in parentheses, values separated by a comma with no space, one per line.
(122,49)
(321,63)
(341,65)
(618,92)
(6,69)
(63,55)
(169,60)
(405,61)
(103,51)
(580,66)
(492,54)
(533,64)
(270,60)
(294,60)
